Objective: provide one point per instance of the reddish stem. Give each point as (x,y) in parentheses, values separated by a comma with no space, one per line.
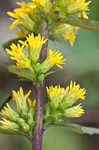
(40,98)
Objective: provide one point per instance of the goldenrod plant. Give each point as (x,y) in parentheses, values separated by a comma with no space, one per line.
(38,21)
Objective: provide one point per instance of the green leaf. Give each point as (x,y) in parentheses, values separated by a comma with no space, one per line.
(7,44)
(74,127)
(80,129)
(91,25)
(21,72)
(89,130)
(71,126)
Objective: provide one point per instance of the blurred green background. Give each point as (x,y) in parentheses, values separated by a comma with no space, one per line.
(82,66)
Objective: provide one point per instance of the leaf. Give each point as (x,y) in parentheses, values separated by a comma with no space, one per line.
(89,130)
(80,129)
(74,127)
(24,73)
(91,25)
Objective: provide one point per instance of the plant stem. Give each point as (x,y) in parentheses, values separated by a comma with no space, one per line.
(37,140)
(90,25)
(40,98)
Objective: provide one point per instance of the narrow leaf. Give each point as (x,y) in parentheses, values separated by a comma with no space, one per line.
(80,129)
(89,130)
(75,128)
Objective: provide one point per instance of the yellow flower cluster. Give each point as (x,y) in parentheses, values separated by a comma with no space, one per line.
(78,6)
(27,54)
(34,45)
(19,55)
(40,2)
(70,33)
(26,16)
(21,13)
(29,15)
(21,119)
(72,7)
(63,99)
(54,58)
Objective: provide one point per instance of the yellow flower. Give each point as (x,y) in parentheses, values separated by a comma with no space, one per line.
(70,32)
(26,53)
(56,94)
(78,6)
(20,93)
(22,31)
(73,94)
(40,2)
(54,58)
(20,14)
(22,118)
(61,101)
(19,55)
(31,103)
(66,96)
(80,93)
(9,113)
(8,125)
(35,42)
(21,101)
(35,45)
(75,111)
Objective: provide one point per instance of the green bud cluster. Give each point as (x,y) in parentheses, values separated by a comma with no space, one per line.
(20,119)
(61,103)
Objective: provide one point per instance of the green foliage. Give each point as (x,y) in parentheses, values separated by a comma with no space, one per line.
(21,72)
(80,129)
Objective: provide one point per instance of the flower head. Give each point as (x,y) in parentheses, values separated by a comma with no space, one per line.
(61,101)
(54,58)
(9,113)
(21,117)
(67,96)
(75,111)
(35,45)
(21,101)
(69,8)
(19,55)
(27,52)
(20,14)
(79,6)
(73,94)
(9,125)
(40,2)
(56,94)
(70,33)
(80,93)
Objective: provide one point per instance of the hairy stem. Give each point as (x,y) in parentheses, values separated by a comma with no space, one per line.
(40,98)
